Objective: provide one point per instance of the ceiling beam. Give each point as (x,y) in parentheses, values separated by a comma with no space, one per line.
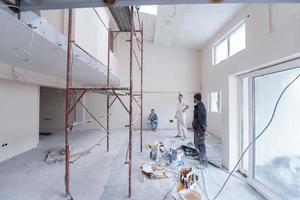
(62,4)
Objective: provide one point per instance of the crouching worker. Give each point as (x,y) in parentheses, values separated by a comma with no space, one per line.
(199,128)
(153,120)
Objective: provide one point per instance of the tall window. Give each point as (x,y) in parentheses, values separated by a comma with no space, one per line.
(214,102)
(273,161)
(232,43)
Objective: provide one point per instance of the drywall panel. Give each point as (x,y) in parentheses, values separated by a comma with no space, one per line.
(263,46)
(19,118)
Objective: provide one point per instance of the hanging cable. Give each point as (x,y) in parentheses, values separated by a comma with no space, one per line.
(27,51)
(167,194)
(175,12)
(257,137)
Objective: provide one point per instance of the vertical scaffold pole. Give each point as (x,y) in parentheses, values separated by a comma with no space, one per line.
(130,103)
(107,84)
(68,104)
(142,82)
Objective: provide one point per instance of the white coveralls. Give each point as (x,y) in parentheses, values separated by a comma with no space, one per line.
(181,119)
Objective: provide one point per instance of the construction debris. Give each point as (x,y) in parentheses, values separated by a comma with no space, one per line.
(187,194)
(155,171)
(58,155)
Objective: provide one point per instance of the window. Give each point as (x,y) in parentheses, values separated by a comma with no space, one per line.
(221,51)
(214,102)
(232,43)
(273,162)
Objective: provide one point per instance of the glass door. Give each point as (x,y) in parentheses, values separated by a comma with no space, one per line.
(277,151)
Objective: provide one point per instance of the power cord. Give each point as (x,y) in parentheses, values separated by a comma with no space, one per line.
(257,137)
(27,51)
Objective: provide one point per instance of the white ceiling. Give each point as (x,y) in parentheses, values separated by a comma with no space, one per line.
(189,26)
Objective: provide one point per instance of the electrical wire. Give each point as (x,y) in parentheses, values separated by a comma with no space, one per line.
(167,194)
(175,12)
(27,50)
(257,137)
(217,183)
(17,76)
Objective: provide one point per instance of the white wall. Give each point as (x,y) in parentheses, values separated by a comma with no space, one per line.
(57,19)
(19,118)
(52,109)
(90,33)
(167,71)
(20,86)
(264,44)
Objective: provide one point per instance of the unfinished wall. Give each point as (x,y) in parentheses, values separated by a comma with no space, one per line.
(52,110)
(92,35)
(272,32)
(19,118)
(167,71)
(57,19)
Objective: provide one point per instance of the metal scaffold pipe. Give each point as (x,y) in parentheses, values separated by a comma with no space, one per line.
(142,81)
(68,104)
(107,85)
(130,102)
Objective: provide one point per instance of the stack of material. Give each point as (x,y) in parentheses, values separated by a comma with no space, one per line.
(154,171)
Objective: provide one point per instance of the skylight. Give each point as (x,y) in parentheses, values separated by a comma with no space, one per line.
(152,10)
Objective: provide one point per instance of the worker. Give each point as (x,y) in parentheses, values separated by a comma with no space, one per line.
(199,128)
(153,120)
(182,106)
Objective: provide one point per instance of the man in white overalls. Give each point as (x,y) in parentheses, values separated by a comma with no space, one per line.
(182,106)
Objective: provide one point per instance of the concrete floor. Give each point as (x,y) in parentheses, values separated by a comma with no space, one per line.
(102,175)
(146,189)
(27,176)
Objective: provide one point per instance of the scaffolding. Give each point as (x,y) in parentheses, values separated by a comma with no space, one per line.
(109,91)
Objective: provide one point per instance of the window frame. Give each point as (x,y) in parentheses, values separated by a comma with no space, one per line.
(227,37)
(219,102)
(275,68)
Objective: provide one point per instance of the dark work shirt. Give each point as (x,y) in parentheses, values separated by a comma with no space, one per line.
(153,117)
(199,121)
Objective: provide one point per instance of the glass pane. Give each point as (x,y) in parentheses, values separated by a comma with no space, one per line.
(221,51)
(277,152)
(245,123)
(237,40)
(214,102)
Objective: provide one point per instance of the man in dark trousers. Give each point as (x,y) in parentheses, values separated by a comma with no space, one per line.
(199,128)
